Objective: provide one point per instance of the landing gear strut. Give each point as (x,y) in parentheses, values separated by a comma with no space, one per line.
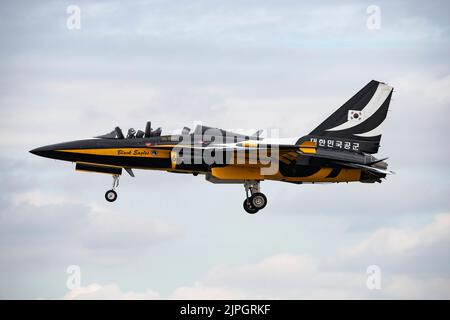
(111,195)
(257,200)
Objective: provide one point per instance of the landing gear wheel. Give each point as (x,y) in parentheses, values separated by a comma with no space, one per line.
(111,196)
(249,207)
(258,200)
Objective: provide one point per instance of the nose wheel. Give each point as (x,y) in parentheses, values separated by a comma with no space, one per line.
(111,195)
(257,200)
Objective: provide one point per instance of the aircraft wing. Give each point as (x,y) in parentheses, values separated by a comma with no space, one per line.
(369,168)
(306,147)
(286,153)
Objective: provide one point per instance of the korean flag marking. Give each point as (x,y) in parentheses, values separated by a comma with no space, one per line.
(355,115)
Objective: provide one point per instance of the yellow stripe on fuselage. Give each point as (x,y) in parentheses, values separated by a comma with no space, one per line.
(345,175)
(123,152)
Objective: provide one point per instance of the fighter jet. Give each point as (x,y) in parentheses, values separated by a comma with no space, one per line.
(340,149)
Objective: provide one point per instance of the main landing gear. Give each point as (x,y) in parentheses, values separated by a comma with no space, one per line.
(257,200)
(111,195)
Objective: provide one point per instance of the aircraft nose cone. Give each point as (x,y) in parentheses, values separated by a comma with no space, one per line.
(42,151)
(57,151)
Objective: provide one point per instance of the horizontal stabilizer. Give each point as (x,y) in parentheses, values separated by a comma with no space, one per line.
(369,168)
(377,161)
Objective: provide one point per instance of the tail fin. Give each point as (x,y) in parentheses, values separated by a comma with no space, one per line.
(356,125)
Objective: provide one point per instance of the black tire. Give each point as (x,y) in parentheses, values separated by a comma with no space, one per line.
(111,196)
(258,200)
(249,207)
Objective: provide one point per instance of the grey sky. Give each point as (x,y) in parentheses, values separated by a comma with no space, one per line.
(231,64)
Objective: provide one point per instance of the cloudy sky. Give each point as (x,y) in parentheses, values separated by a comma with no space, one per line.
(231,64)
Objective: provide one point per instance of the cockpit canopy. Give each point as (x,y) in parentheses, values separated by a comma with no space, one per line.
(227,136)
(131,134)
(203,131)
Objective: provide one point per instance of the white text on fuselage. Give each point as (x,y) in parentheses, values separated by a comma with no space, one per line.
(336,144)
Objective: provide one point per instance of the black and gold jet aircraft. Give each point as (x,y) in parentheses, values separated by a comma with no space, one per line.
(340,149)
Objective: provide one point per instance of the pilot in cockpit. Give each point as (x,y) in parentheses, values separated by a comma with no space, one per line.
(131,133)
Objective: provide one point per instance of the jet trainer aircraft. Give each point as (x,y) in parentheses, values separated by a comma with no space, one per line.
(340,149)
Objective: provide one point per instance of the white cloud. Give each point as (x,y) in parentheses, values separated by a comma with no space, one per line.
(108,292)
(33,220)
(38,198)
(398,241)
(199,292)
(114,231)
(291,276)
(283,267)
(417,287)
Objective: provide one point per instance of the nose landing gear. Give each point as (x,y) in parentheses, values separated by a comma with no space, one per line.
(111,195)
(257,200)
